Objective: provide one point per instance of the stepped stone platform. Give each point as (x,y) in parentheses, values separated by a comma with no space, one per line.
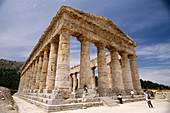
(51,105)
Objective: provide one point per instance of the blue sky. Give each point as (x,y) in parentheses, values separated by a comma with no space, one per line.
(22,22)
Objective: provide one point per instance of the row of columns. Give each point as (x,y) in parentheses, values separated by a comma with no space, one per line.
(48,71)
(116,76)
(51,69)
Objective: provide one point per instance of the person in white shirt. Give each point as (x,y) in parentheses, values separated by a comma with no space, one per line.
(148,99)
(132,93)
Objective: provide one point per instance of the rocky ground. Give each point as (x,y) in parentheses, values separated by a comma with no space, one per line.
(160,106)
(7,104)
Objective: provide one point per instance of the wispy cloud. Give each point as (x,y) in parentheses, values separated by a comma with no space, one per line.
(156,74)
(159,51)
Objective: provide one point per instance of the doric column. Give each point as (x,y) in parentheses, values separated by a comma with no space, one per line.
(71,81)
(103,80)
(93,78)
(127,79)
(74,82)
(110,76)
(32,75)
(135,75)
(35,74)
(63,62)
(30,78)
(25,81)
(20,89)
(85,67)
(116,72)
(38,72)
(50,82)
(44,70)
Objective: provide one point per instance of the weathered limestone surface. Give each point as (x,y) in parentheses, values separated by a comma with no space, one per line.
(47,75)
(51,67)
(44,70)
(135,75)
(85,69)
(116,72)
(63,62)
(127,79)
(75,82)
(39,72)
(93,78)
(103,85)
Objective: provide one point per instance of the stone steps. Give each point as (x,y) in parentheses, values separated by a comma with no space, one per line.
(62,107)
(108,101)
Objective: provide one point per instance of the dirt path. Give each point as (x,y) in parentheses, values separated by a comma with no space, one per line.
(160,106)
(26,107)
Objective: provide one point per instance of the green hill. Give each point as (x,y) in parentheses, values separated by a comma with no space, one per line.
(10,73)
(7,64)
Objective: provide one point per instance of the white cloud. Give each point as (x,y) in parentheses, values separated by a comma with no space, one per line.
(157,74)
(159,51)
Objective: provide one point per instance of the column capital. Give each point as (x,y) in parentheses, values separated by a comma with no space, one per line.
(64,31)
(123,54)
(113,49)
(99,44)
(132,56)
(82,38)
(53,41)
(46,48)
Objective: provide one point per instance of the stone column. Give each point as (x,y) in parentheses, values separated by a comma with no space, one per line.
(116,72)
(44,71)
(25,81)
(135,75)
(38,73)
(30,78)
(71,81)
(127,79)
(74,82)
(63,62)
(20,88)
(85,67)
(103,80)
(34,74)
(110,77)
(50,82)
(93,78)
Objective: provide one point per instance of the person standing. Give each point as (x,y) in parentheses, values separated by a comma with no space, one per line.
(148,99)
(132,93)
(120,99)
(85,89)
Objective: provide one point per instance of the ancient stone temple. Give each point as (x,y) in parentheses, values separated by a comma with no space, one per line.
(47,72)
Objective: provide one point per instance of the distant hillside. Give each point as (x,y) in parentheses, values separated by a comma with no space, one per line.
(10,73)
(7,64)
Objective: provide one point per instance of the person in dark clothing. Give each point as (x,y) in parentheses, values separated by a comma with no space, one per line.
(85,88)
(120,99)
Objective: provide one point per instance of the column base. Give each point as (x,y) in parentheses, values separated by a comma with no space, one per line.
(106,92)
(61,94)
(35,90)
(139,91)
(118,91)
(127,91)
(40,91)
(47,91)
(90,93)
